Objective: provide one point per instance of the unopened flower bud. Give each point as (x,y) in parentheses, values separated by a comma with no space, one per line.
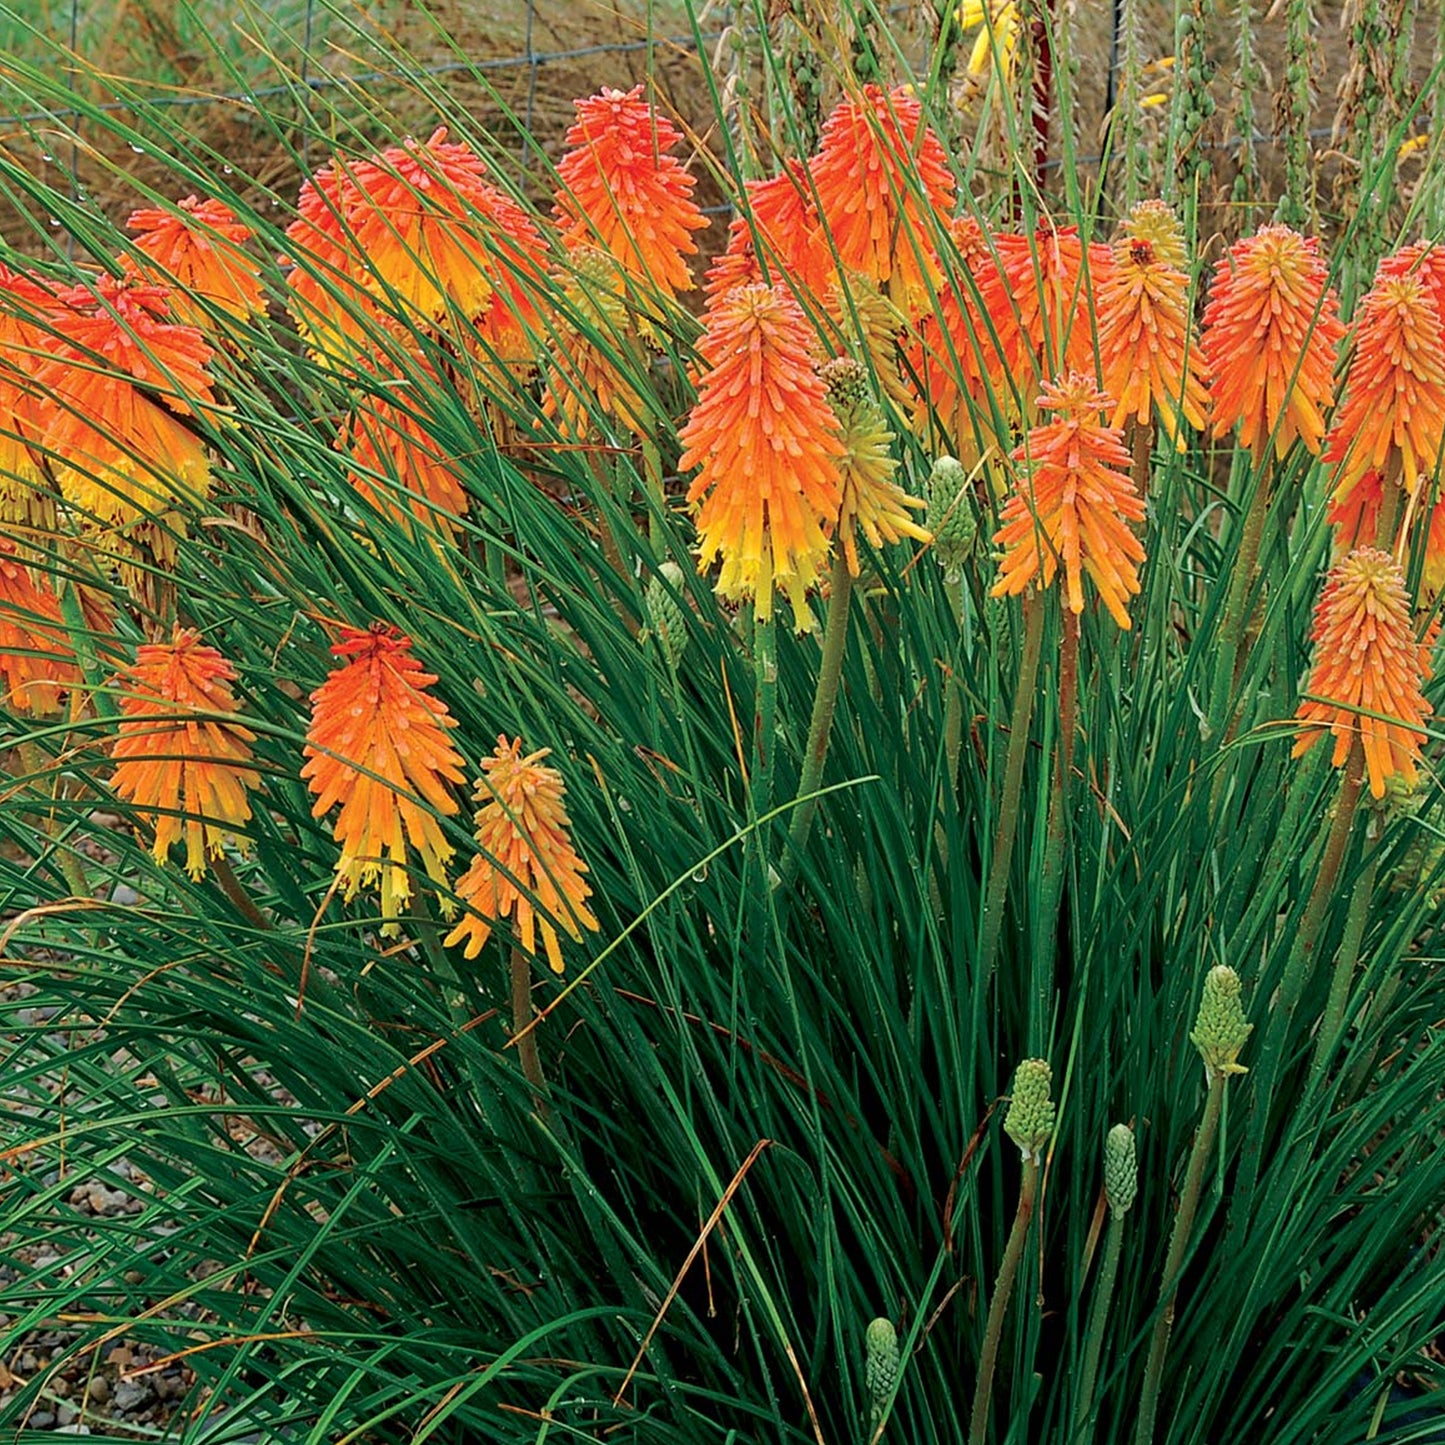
(950,516)
(1121,1170)
(665,623)
(1220,1030)
(1030,1118)
(880,1365)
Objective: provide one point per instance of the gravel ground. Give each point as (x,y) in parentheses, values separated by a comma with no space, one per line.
(113,1390)
(95,1391)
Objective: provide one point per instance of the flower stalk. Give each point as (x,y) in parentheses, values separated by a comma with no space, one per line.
(825,702)
(1120,1188)
(522,1015)
(1220,1032)
(1030,1124)
(1005,833)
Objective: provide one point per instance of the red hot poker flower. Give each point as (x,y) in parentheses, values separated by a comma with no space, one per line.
(1072,503)
(766,442)
(1392,419)
(174,755)
(200,252)
(122,379)
(37,661)
(430,228)
(1039,300)
(622,191)
(780,230)
(1367,661)
(1271,331)
(377,745)
(526,853)
(1149,355)
(885,190)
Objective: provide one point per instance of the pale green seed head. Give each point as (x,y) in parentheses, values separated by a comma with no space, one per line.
(881,1362)
(1220,1031)
(1121,1170)
(950,516)
(665,623)
(1030,1118)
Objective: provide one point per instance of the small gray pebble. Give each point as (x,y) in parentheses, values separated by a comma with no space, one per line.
(99,1391)
(125,895)
(65,1415)
(42,1420)
(132,1394)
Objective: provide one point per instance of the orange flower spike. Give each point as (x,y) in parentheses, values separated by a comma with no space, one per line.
(1392,417)
(25,407)
(884,189)
(1071,505)
(122,378)
(525,854)
(1367,661)
(37,661)
(1039,301)
(781,216)
(125,326)
(1425,260)
(377,745)
(387,438)
(948,359)
(766,442)
(433,231)
(621,190)
(1149,356)
(331,308)
(587,381)
(174,755)
(1271,331)
(200,251)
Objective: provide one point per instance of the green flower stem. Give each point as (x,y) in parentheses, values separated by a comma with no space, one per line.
(765,660)
(85,655)
(1018,746)
(1174,1261)
(1327,879)
(1236,606)
(521,1019)
(998,1306)
(1141,452)
(1334,1019)
(953,709)
(825,701)
(1299,965)
(1098,1323)
(1056,843)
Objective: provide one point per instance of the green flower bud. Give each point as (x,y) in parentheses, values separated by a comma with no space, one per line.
(950,516)
(1220,1030)
(665,623)
(881,1365)
(1121,1170)
(1030,1118)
